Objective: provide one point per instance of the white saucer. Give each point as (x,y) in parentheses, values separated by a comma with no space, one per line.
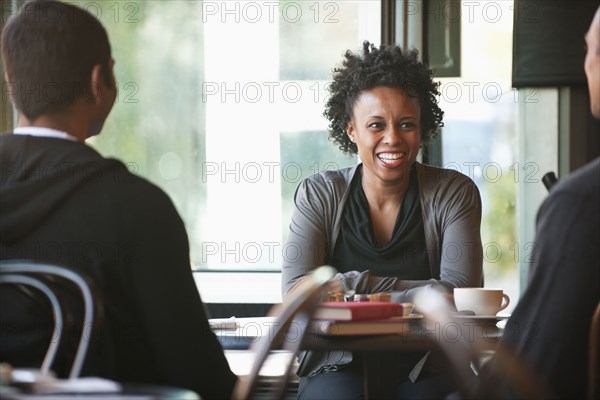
(483,317)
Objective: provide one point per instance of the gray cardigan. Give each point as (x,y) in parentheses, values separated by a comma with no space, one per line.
(451,208)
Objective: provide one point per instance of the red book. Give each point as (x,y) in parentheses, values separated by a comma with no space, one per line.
(357,311)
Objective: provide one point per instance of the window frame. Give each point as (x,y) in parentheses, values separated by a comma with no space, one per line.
(392,31)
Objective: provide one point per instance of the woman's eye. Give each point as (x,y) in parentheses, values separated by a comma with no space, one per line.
(407,125)
(376,125)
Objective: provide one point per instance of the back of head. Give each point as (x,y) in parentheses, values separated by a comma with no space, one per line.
(49,49)
(592,63)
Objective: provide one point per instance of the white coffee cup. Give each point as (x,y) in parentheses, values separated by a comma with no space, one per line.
(482,301)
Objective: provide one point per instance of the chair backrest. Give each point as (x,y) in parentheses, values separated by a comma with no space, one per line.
(594,360)
(298,311)
(43,277)
(470,345)
(16,279)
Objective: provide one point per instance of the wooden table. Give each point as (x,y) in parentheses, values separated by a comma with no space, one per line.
(419,336)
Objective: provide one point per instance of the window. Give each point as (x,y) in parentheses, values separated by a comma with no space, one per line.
(220,105)
(480,134)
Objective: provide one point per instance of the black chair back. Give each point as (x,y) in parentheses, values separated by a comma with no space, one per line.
(50,280)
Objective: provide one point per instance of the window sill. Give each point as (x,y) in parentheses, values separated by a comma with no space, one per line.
(239,287)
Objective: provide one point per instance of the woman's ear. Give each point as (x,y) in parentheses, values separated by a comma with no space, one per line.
(350,132)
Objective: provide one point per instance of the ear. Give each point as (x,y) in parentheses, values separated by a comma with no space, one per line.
(350,131)
(97,86)
(102,91)
(8,87)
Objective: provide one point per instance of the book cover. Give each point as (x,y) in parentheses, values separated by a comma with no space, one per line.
(357,311)
(392,325)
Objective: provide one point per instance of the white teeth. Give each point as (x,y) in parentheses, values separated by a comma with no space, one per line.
(390,156)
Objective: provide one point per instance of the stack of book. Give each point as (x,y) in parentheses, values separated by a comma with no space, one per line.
(363,318)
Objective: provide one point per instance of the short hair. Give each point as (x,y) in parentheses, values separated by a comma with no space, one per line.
(387,66)
(49,50)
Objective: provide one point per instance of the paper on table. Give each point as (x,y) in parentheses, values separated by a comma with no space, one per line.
(224,324)
(88,384)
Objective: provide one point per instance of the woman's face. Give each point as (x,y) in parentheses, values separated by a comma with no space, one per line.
(385,126)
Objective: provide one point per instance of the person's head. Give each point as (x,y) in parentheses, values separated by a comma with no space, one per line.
(56,54)
(386,66)
(592,63)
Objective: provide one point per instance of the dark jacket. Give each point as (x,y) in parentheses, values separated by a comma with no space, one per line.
(61,202)
(550,326)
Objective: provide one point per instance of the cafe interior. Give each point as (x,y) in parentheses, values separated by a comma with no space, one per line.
(244,84)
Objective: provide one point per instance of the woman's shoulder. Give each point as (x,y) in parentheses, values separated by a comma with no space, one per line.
(331,184)
(443,184)
(438,175)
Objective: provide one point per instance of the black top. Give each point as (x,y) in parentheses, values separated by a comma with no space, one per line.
(404,256)
(63,203)
(550,326)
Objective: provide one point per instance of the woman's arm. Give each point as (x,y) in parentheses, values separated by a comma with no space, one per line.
(306,247)
(461,257)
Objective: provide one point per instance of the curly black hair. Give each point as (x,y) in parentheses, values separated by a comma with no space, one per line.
(384,66)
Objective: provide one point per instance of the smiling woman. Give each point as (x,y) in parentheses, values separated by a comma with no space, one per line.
(389,224)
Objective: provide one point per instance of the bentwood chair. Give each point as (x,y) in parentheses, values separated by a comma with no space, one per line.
(46,279)
(56,284)
(291,324)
